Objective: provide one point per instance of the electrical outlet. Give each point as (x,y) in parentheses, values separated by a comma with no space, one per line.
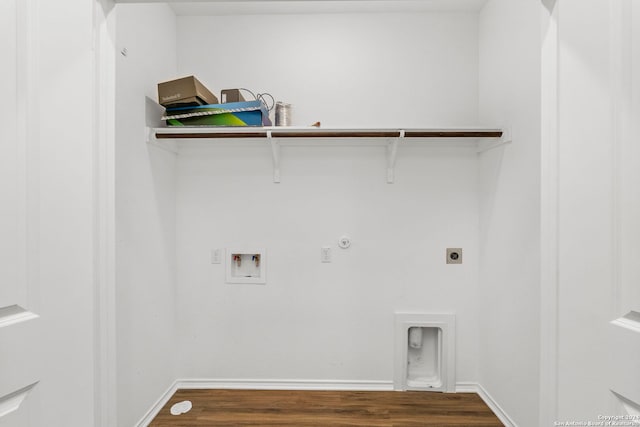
(454,255)
(216,256)
(325,254)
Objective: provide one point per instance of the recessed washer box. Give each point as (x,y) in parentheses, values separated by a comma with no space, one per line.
(246,266)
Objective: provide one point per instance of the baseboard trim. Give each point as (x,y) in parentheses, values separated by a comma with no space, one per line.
(488,399)
(466,387)
(250,384)
(155,409)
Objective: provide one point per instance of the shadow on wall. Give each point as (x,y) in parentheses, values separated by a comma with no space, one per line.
(491,169)
(153,112)
(549,5)
(161,161)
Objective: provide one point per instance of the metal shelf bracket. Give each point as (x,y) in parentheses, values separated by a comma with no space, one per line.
(275,154)
(506,138)
(392,152)
(150,138)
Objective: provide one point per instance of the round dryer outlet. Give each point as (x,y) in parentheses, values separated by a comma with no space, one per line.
(344,242)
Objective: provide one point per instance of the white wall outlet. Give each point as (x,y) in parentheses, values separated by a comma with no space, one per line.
(216,256)
(325,254)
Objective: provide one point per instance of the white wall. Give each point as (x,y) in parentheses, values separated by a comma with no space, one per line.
(379,70)
(313,320)
(509,305)
(145,214)
(328,321)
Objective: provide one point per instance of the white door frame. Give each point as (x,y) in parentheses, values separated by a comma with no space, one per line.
(104,213)
(549,216)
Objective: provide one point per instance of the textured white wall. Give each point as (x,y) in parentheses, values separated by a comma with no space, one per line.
(329,321)
(510,208)
(145,215)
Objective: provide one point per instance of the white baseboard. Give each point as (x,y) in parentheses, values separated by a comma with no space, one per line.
(285,384)
(202,384)
(466,387)
(488,399)
(155,409)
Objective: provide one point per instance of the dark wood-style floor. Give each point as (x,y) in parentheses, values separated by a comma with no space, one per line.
(326,408)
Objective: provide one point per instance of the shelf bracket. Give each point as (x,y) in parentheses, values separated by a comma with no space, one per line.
(506,138)
(149,135)
(167,145)
(392,152)
(275,153)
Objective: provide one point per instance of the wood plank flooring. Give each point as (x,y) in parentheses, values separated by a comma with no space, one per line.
(326,408)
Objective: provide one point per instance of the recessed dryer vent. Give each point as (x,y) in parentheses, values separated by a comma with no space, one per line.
(424,358)
(246,266)
(425,352)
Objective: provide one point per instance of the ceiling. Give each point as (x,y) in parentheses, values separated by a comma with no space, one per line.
(264,7)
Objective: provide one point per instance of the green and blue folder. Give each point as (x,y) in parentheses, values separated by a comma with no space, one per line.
(248,113)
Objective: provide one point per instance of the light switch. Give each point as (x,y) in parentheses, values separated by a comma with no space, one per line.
(216,256)
(325,254)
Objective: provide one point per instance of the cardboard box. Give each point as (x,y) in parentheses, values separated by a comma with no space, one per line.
(231,95)
(250,113)
(186,91)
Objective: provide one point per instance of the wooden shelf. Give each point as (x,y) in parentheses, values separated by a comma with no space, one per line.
(481,138)
(300,132)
